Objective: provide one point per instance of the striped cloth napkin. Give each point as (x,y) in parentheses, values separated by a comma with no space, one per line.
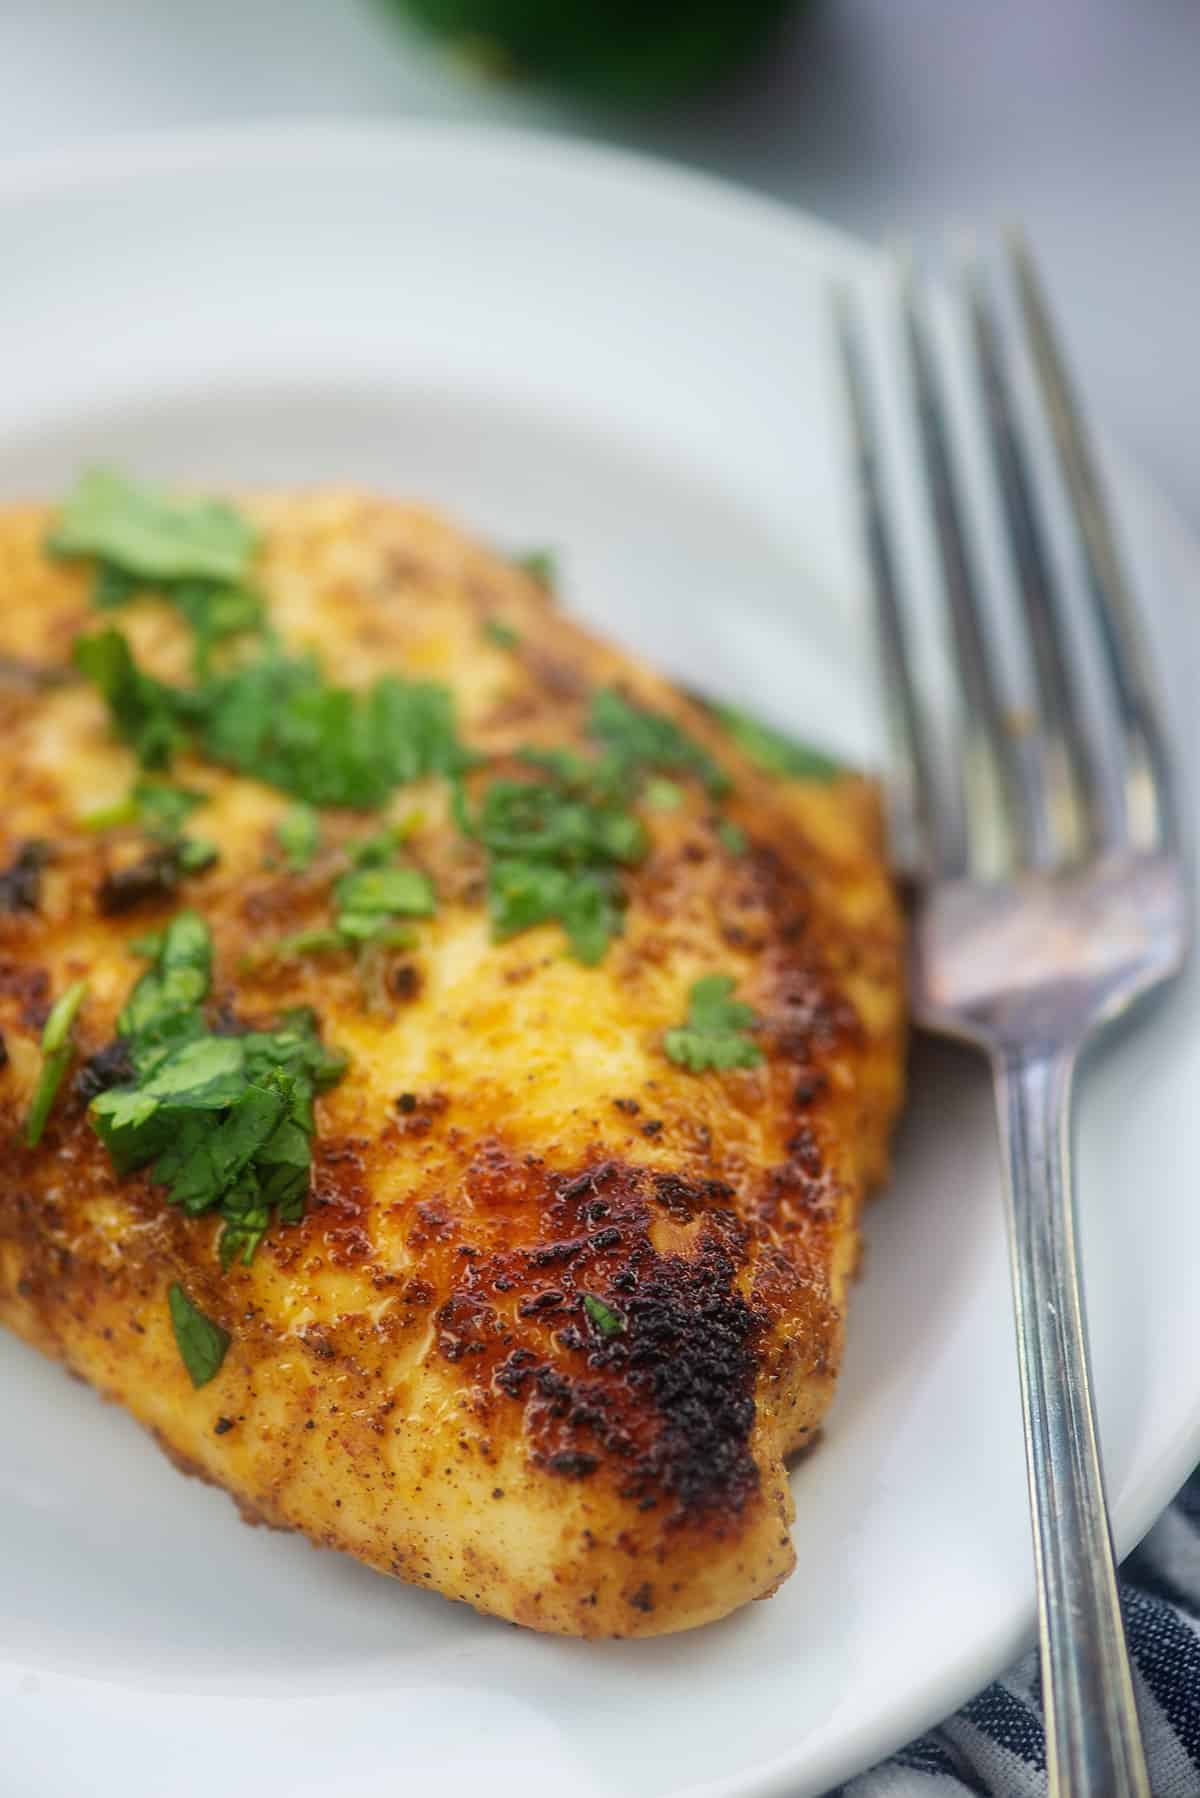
(996,1747)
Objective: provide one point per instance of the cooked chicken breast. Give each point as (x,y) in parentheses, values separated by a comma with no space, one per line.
(569,1282)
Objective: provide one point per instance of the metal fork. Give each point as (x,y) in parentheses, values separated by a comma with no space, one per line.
(1029,956)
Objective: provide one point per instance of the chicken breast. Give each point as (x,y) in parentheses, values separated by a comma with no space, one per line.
(569,1282)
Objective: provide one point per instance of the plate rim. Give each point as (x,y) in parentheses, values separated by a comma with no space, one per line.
(324,139)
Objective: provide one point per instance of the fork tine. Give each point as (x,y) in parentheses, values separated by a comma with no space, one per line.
(1142,809)
(1002,791)
(931,832)
(1074,774)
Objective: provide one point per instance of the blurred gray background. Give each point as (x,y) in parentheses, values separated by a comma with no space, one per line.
(884,116)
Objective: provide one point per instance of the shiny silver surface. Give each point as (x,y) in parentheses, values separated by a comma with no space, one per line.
(1050,895)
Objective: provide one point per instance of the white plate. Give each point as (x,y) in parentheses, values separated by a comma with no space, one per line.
(578,348)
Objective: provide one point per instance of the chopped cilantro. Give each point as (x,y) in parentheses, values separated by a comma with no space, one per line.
(368,899)
(540,565)
(202,1344)
(732,835)
(501,634)
(298,834)
(146,713)
(112,587)
(554,848)
(177,982)
(57,1049)
(194,854)
(772,750)
(226,1121)
(319,939)
(215,613)
(214,610)
(715,1033)
(149,535)
(161,808)
(542,821)
(663,795)
(644,741)
(585,902)
(381,845)
(609,1322)
(156,805)
(277,718)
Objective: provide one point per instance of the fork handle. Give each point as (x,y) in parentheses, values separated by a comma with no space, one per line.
(1093,1739)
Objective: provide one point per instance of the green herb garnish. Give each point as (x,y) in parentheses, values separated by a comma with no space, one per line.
(150,536)
(715,1033)
(541,565)
(226,1121)
(156,805)
(501,634)
(643,741)
(298,834)
(57,1050)
(194,854)
(663,795)
(278,719)
(585,902)
(213,610)
(608,1321)
(555,847)
(369,899)
(732,835)
(202,1344)
(146,713)
(772,750)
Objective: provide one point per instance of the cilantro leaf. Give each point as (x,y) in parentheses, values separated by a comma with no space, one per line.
(298,834)
(294,1048)
(541,565)
(200,1075)
(195,854)
(715,1033)
(146,712)
(384,893)
(381,845)
(501,634)
(411,724)
(522,894)
(645,741)
(203,1161)
(202,1344)
(113,587)
(146,533)
(540,821)
(176,984)
(554,847)
(279,720)
(57,1050)
(227,1121)
(663,795)
(608,1321)
(732,835)
(773,750)
(216,612)
(161,808)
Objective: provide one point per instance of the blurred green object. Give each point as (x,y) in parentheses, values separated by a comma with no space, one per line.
(624,52)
